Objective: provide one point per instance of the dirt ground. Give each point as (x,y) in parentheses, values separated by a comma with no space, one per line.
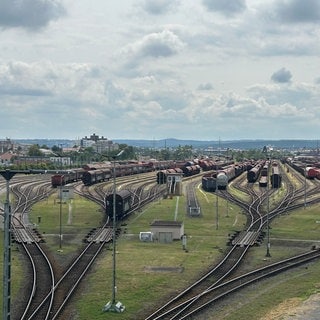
(296,309)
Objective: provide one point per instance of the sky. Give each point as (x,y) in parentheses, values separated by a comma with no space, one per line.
(142,69)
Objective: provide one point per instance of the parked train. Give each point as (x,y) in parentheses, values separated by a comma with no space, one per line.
(221,178)
(92,173)
(61,179)
(254,173)
(104,174)
(275,177)
(94,176)
(263,181)
(306,170)
(187,171)
(123,204)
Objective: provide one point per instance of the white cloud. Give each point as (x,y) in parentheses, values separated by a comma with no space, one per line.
(158,69)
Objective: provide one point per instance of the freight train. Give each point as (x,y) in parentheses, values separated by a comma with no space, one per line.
(191,168)
(61,179)
(254,173)
(275,177)
(305,169)
(92,173)
(104,174)
(221,178)
(263,181)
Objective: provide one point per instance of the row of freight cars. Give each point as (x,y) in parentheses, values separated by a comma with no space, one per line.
(261,171)
(190,168)
(307,170)
(98,172)
(219,179)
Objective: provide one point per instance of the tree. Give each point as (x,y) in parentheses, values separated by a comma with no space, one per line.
(34,151)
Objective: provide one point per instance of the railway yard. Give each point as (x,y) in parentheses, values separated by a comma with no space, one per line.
(250,232)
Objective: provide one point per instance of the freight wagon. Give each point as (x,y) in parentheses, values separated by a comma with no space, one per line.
(123,204)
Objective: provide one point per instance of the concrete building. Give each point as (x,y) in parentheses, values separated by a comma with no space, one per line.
(99,144)
(167,231)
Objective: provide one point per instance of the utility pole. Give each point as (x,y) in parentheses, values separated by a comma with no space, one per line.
(268,209)
(113,306)
(7,249)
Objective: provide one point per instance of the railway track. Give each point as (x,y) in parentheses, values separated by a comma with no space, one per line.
(66,285)
(49,288)
(206,298)
(216,283)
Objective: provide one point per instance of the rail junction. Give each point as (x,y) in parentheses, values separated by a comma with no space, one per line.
(49,303)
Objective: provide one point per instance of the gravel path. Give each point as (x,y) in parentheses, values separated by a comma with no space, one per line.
(296,309)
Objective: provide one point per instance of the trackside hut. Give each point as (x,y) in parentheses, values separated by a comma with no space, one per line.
(167,231)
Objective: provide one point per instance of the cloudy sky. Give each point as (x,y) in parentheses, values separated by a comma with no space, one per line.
(154,69)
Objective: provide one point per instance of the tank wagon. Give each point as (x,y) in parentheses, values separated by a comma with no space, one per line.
(275,177)
(123,204)
(224,176)
(222,180)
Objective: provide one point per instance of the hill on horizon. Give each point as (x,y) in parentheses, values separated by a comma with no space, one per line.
(244,144)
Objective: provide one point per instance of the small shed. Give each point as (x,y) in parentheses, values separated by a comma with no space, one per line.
(167,231)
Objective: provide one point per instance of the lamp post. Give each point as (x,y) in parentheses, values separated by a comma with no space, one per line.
(7,251)
(268,228)
(305,186)
(217,199)
(6,311)
(113,306)
(60,217)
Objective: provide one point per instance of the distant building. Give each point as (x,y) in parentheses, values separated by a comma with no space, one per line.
(61,161)
(31,160)
(99,144)
(6,145)
(6,158)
